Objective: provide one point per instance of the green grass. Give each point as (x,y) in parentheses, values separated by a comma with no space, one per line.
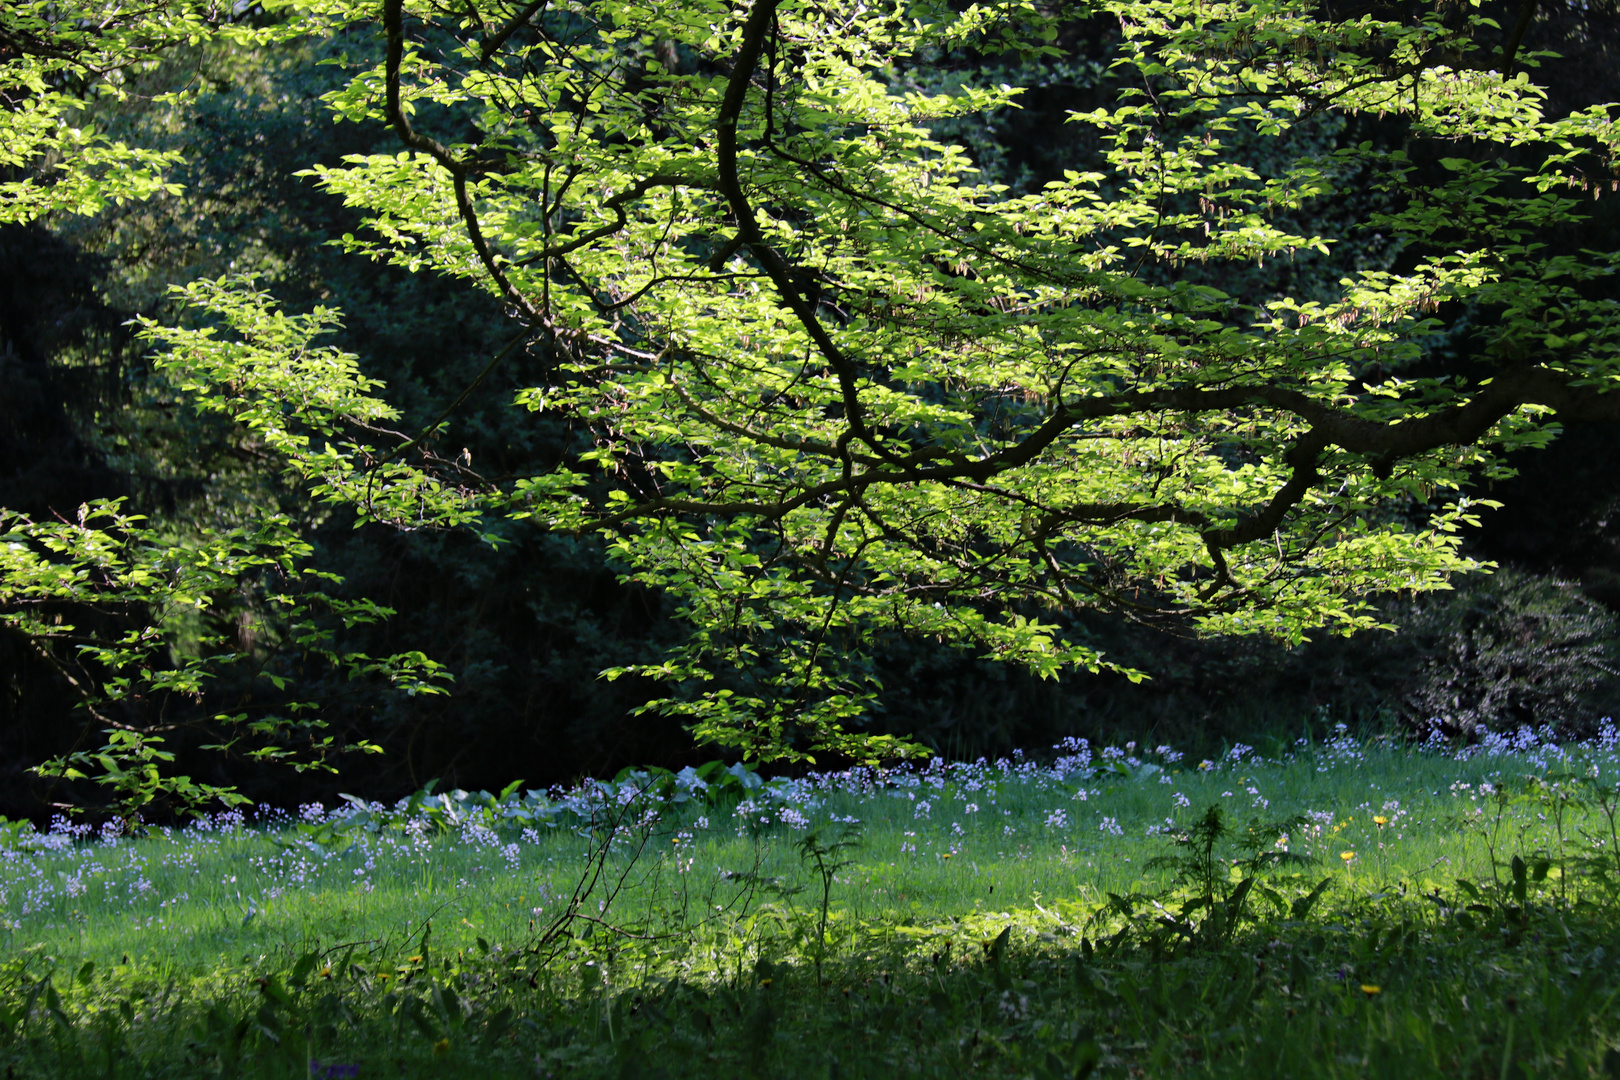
(1055,929)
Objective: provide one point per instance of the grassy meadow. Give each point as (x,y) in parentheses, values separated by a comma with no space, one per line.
(1346,909)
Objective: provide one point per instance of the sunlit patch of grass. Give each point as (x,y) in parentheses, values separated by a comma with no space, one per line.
(1008,918)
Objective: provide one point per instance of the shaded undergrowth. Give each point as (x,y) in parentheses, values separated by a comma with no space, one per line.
(1392,985)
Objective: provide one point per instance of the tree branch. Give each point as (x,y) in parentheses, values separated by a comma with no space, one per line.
(518,22)
(1527,12)
(755,30)
(394,26)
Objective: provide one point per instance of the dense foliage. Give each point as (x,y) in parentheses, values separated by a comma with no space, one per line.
(800,370)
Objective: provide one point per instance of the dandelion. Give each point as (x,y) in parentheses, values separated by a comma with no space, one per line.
(1380,820)
(1347,856)
(1369,989)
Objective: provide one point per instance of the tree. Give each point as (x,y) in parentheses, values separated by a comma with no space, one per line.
(830,387)
(837,388)
(136,621)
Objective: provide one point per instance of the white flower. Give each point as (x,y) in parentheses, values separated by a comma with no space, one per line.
(792,818)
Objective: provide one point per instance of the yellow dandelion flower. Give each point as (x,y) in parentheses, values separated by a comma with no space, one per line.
(1347,855)
(1380,819)
(1370,990)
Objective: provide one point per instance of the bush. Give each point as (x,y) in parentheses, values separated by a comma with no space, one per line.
(1506,651)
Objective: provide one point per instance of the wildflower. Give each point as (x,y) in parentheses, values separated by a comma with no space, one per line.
(1012,1007)
(1347,855)
(1370,990)
(1380,819)
(441,1047)
(793,818)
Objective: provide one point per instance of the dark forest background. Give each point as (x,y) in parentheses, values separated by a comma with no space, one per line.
(526,627)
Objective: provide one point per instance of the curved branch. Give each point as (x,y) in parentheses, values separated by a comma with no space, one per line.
(1302,456)
(394,26)
(1527,13)
(518,22)
(616,204)
(754,33)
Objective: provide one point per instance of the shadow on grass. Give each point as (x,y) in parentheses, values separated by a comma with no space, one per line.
(1498,981)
